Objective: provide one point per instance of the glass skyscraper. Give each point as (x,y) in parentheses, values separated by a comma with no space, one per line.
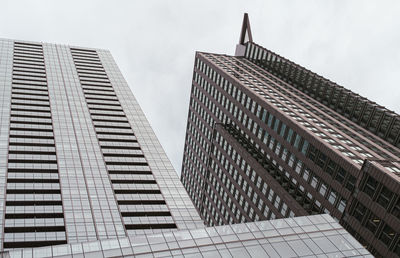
(267,138)
(79,160)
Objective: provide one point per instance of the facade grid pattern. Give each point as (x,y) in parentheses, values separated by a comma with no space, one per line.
(267,139)
(75,172)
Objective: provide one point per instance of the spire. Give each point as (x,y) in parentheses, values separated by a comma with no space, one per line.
(245,36)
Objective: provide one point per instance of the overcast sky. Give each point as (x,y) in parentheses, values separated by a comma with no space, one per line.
(353,43)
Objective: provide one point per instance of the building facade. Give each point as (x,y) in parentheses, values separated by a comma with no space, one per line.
(267,138)
(78,159)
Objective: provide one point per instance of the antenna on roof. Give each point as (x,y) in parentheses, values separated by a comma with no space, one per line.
(245,36)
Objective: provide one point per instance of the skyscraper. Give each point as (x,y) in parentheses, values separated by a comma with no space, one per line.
(267,138)
(82,173)
(79,160)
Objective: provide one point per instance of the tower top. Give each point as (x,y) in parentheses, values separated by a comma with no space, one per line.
(245,34)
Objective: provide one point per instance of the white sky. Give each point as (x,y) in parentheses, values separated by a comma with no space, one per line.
(354,43)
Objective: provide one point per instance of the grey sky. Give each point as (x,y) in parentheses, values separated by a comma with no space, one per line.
(354,43)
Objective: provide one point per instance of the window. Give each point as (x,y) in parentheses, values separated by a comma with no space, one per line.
(277,201)
(270,195)
(396,208)
(284,209)
(342,205)
(283,128)
(297,141)
(314,181)
(304,148)
(270,120)
(332,196)
(291,160)
(331,167)
(341,174)
(370,186)
(312,152)
(264,115)
(306,174)
(276,125)
(351,182)
(387,235)
(372,223)
(384,197)
(322,190)
(298,166)
(289,135)
(321,160)
(359,212)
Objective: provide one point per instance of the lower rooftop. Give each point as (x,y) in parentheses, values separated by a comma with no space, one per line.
(307,236)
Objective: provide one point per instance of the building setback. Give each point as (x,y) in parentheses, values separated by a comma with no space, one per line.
(267,138)
(79,160)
